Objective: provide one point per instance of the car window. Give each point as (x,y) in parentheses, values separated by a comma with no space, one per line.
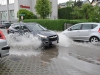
(36,27)
(76,27)
(23,27)
(17,27)
(86,26)
(94,25)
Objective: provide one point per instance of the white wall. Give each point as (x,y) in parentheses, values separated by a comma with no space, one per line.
(54,9)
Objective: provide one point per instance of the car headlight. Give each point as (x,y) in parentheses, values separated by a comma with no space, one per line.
(42,36)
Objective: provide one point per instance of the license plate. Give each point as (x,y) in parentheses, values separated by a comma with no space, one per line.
(54,42)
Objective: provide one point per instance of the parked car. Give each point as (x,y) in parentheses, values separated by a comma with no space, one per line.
(84,31)
(4,48)
(5,25)
(47,37)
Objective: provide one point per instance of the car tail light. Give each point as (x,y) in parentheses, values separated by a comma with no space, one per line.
(99,30)
(2,35)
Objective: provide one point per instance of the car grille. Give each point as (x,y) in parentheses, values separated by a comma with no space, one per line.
(53,38)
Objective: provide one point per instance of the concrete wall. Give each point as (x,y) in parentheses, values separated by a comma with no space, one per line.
(54,14)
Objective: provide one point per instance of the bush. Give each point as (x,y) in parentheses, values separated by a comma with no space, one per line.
(57,25)
(65,13)
(27,14)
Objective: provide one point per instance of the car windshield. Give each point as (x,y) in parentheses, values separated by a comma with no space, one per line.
(36,27)
(6,23)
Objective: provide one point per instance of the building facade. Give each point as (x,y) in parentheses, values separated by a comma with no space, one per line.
(95,2)
(11,7)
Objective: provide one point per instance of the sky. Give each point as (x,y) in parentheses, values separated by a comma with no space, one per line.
(61,1)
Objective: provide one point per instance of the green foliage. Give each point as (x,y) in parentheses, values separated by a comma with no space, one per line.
(77,13)
(65,13)
(70,3)
(57,25)
(27,14)
(95,15)
(43,8)
(86,10)
(78,3)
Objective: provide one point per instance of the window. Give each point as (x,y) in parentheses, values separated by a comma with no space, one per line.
(86,26)
(11,12)
(4,14)
(3,2)
(94,25)
(76,27)
(17,27)
(23,27)
(11,1)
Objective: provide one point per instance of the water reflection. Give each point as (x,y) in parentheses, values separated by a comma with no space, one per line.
(49,53)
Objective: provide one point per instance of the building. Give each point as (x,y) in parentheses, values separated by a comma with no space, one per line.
(12,6)
(62,5)
(95,2)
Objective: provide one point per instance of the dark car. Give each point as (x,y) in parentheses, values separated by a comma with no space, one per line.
(47,37)
(5,25)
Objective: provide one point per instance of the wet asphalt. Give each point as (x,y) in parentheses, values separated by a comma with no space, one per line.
(74,59)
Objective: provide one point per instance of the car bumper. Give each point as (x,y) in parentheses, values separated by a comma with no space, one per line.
(4,51)
(48,42)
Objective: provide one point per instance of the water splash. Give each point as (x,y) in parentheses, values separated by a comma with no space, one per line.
(64,40)
(23,44)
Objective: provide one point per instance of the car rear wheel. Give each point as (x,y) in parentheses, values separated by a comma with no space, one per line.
(94,40)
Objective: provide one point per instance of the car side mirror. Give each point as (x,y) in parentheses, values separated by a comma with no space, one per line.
(69,29)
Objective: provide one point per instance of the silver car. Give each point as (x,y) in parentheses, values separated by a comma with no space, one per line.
(4,48)
(84,31)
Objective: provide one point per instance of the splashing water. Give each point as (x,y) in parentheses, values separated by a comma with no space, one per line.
(64,40)
(23,44)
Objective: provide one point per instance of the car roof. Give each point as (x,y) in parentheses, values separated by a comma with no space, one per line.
(89,23)
(26,23)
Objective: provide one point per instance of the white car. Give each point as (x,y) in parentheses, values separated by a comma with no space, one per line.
(4,48)
(84,31)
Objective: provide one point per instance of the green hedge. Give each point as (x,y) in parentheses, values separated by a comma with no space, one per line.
(57,25)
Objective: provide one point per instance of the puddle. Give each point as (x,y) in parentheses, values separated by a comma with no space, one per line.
(83,58)
(15,58)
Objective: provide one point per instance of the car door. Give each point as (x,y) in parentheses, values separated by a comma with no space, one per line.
(85,31)
(73,32)
(4,48)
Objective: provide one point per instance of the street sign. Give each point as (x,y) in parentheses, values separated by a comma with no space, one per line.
(22,14)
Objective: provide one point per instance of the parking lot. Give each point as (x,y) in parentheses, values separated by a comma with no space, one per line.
(65,58)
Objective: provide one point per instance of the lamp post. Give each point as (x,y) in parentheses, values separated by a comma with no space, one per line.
(7,10)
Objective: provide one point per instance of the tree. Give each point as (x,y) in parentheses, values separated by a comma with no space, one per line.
(83,12)
(26,14)
(86,10)
(43,8)
(70,3)
(76,13)
(95,14)
(78,3)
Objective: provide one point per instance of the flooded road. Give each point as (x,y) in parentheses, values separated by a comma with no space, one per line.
(65,58)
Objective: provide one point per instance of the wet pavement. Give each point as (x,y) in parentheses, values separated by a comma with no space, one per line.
(66,58)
